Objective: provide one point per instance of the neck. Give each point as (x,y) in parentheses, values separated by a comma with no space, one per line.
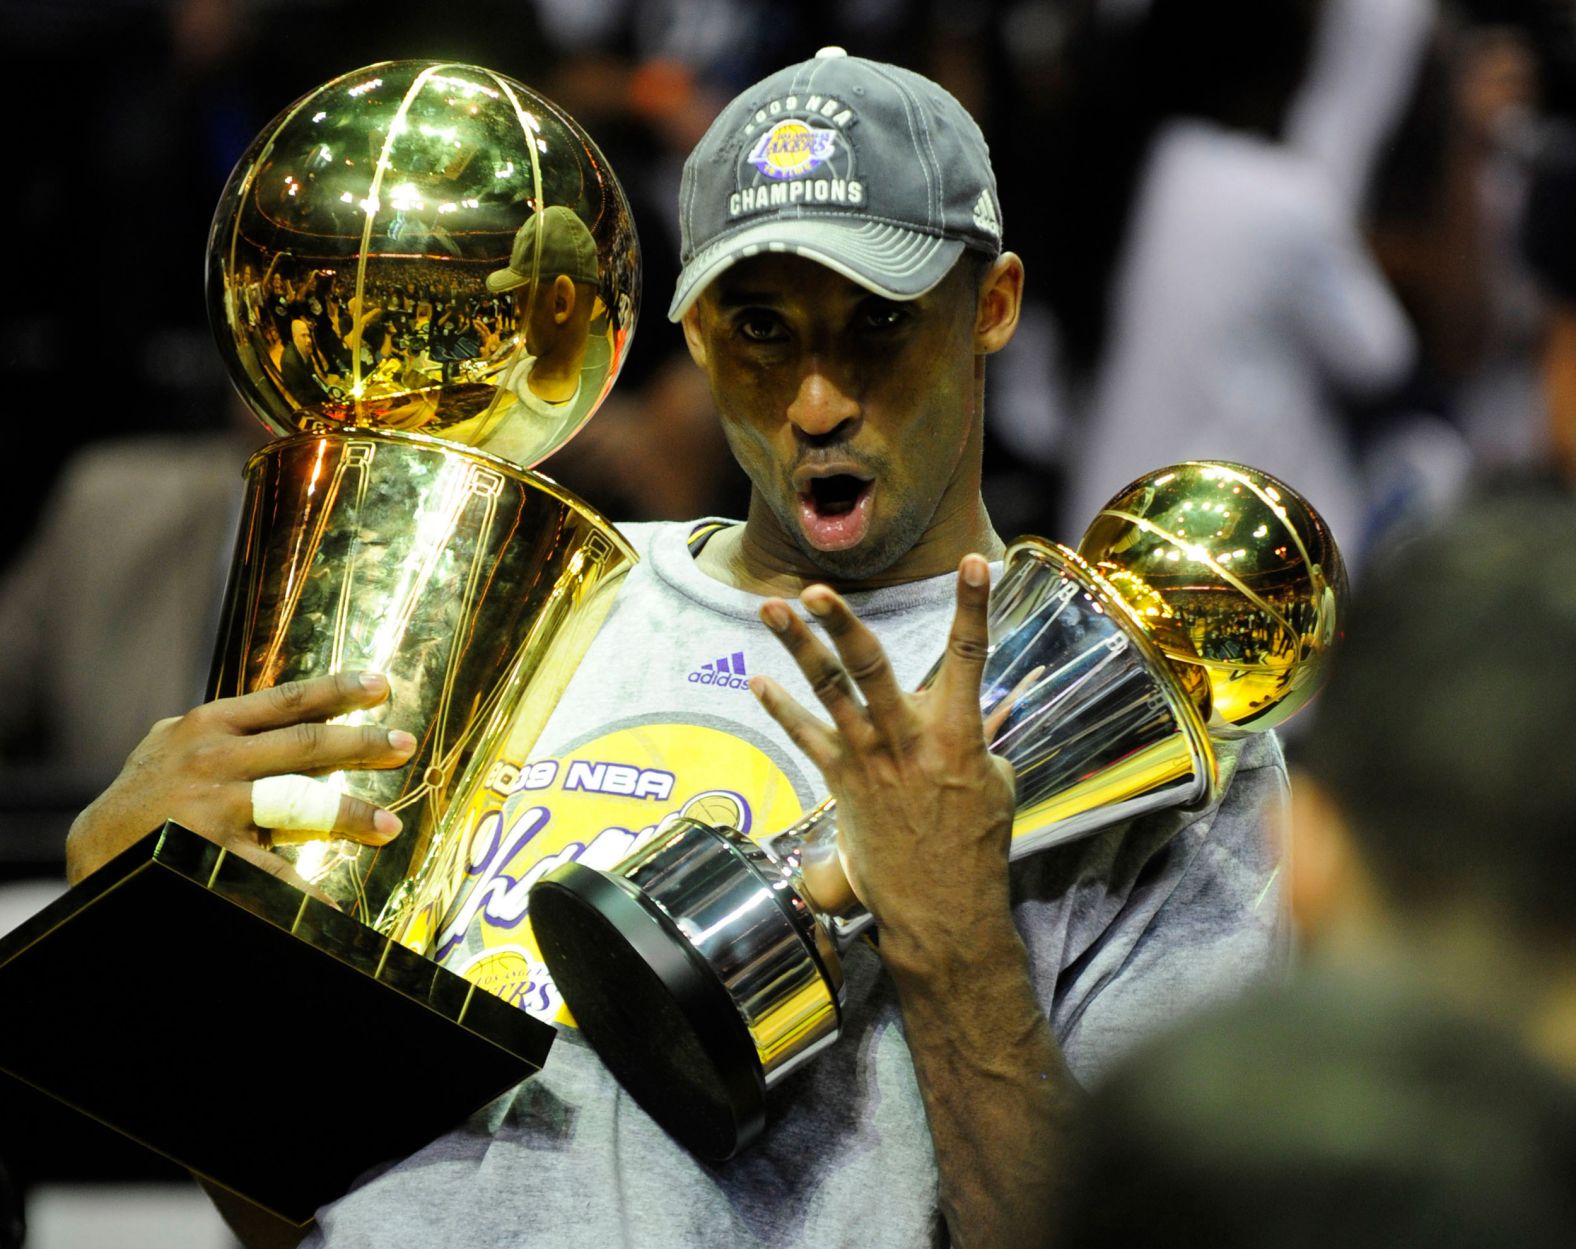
(554,379)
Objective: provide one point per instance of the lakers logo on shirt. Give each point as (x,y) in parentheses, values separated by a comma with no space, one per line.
(595,804)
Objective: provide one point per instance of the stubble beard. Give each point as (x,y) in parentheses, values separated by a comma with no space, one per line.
(875,555)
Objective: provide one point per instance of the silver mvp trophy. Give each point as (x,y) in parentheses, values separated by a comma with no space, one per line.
(1202,604)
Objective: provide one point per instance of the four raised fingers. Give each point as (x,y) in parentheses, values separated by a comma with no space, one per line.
(864,663)
(815,739)
(887,710)
(827,677)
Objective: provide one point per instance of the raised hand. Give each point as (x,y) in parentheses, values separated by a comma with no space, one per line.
(924,819)
(198,769)
(924,810)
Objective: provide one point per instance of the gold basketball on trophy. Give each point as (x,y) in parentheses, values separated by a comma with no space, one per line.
(1248,574)
(425,247)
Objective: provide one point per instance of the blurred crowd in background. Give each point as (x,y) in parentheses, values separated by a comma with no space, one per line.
(1334,240)
(1326,239)
(1302,235)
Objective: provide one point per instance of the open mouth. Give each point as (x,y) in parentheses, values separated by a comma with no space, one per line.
(833,496)
(835,510)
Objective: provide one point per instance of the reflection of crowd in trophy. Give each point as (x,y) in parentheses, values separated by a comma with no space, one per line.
(513,358)
(321,333)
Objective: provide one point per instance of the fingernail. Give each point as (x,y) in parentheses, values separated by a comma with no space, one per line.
(386,822)
(373,682)
(400,740)
(776,617)
(975,570)
(817,604)
(757,687)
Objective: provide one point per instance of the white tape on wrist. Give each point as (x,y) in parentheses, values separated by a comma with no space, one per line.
(298,803)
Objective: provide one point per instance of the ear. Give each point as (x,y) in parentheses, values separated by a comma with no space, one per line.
(692,334)
(563,298)
(1000,302)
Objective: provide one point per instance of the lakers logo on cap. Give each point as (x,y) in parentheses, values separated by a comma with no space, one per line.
(797,160)
(792,148)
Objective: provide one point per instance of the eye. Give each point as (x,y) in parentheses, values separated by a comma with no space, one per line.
(883,316)
(756,325)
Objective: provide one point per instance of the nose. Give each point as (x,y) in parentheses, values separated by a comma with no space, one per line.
(822,405)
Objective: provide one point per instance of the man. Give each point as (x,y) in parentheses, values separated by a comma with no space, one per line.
(541,391)
(843,284)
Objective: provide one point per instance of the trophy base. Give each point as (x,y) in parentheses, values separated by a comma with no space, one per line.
(652,1008)
(247,1031)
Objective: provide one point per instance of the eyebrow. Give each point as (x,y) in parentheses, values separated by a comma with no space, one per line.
(730,300)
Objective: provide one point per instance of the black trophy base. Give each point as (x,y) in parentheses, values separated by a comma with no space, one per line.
(253,1034)
(653,1010)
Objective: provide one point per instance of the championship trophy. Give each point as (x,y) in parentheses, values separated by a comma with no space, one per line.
(424,278)
(1201,605)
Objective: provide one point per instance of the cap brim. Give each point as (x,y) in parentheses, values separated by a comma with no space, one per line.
(888,260)
(501,280)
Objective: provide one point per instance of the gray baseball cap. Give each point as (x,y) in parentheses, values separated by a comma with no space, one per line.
(867,168)
(567,247)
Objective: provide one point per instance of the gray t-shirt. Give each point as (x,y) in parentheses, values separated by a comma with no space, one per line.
(1126,931)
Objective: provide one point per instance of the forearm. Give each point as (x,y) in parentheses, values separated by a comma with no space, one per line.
(998,1097)
(924,831)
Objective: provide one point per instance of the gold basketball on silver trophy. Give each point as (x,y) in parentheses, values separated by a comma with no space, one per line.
(1203,603)
(425,276)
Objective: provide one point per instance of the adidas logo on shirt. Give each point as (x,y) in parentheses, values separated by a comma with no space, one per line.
(728,672)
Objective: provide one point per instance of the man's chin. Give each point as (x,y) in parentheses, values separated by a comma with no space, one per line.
(869,558)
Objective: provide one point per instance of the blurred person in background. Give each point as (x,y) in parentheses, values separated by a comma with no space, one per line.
(13,1227)
(1296,245)
(1220,300)
(1550,244)
(109,615)
(1433,815)
(1417,1085)
(1330,1115)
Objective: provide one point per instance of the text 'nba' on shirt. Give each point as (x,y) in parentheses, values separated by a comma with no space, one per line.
(524,832)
